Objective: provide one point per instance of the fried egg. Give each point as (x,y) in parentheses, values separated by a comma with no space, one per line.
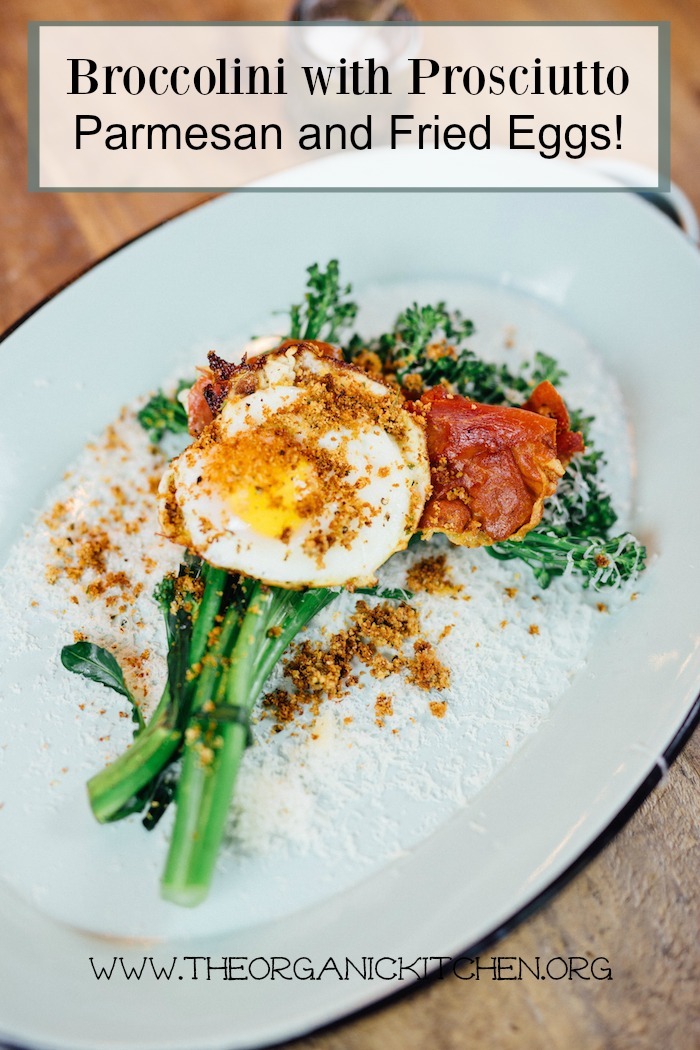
(312,477)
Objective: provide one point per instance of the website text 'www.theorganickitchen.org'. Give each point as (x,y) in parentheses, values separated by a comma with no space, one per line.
(365,968)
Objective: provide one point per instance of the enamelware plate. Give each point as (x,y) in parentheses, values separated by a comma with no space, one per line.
(608,266)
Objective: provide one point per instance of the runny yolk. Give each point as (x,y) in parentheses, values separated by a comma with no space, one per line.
(269,504)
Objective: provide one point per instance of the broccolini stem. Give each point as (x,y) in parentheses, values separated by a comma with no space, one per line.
(117,790)
(288,612)
(212,755)
(209,606)
(114,791)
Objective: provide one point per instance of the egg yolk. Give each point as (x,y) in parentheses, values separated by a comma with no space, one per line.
(269,481)
(269,501)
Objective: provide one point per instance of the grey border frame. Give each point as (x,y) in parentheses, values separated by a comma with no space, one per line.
(663,97)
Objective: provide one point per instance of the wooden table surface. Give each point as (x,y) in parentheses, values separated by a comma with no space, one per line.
(638,902)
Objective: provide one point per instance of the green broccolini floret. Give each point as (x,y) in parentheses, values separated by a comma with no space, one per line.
(581,504)
(164,415)
(420,326)
(327,308)
(428,341)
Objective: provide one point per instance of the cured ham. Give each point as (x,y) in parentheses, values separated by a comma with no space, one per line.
(207,395)
(492,467)
(547,401)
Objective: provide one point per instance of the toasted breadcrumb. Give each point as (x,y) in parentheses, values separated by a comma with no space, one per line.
(375,639)
(84,551)
(432,576)
(425,670)
(383,709)
(447,629)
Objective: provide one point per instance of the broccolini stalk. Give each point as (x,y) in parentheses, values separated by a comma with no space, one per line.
(272,616)
(599,562)
(127,785)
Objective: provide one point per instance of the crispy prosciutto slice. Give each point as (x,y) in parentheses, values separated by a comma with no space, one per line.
(202,400)
(206,397)
(546,401)
(208,394)
(492,467)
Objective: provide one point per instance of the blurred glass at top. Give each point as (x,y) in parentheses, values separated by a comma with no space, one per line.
(350,11)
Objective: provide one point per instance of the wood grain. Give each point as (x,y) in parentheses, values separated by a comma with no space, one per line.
(638,903)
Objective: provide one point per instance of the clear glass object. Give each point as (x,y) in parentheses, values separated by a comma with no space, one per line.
(351,11)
